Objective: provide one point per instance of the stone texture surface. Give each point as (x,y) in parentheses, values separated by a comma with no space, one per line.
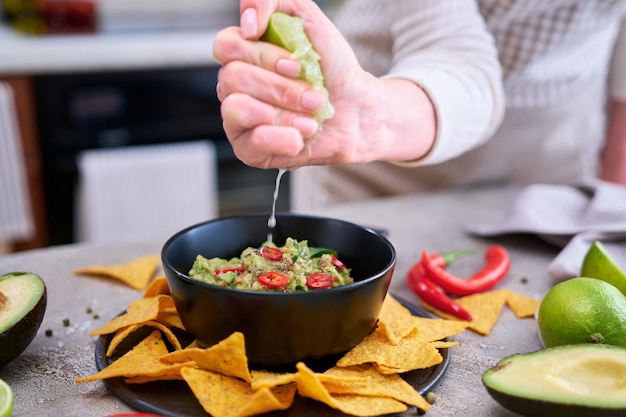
(43,377)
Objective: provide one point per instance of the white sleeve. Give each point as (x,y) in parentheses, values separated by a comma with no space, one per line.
(617,80)
(444,46)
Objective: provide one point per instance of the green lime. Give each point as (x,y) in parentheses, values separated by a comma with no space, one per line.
(6,399)
(288,32)
(583,310)
(599,263)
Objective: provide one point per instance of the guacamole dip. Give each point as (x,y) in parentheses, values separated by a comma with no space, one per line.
(292,267)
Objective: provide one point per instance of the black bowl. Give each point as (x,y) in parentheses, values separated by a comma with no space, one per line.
(281,328)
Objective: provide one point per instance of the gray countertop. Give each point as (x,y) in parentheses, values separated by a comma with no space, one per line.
(43,376)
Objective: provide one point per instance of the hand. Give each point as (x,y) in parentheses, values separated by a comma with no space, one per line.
(267,111)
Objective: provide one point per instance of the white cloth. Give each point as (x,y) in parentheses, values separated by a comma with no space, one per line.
(145,192)
(16,222)
(571,217)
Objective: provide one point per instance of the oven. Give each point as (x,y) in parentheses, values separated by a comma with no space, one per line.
(84,111)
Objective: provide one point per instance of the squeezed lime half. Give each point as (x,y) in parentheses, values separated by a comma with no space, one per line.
(288,32)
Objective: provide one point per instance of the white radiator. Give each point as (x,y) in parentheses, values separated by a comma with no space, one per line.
(16,222)
(145,192)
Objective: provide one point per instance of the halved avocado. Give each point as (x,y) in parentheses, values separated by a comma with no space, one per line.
(23,299)
(569,380)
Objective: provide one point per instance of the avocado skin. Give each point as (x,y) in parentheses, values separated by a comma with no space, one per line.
(17,338)
(538,408)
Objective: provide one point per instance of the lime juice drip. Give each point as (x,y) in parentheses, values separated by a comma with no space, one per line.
(271,222)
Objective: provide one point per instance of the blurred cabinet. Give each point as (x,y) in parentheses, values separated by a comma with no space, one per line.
(23,90)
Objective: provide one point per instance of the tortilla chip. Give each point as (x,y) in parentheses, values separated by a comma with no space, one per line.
(440,344)
(158,286)
(376,385)
(138,311)
(227,357)
(340,378)
(123,333)
(394,320)
(521,305)
(223,396)
(410,354)
(136,273)
(142,360)
(432,329)
(310,386)
(485,308)
(266,379)
(170,318)
(172,374)
(360,405)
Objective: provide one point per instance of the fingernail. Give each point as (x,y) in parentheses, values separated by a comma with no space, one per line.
(307,126)
(311,101)
(288,67)
(248,23)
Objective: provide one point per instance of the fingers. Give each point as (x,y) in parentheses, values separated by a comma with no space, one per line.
(268,147)
(254,15)
(241,112)
(267,86)
(258,133)
(229,46)
(249,25)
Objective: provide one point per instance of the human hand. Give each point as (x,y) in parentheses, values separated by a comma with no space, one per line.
(268,112)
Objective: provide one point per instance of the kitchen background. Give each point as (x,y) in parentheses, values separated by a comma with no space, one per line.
(109,122)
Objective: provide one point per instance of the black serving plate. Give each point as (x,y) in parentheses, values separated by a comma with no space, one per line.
(175,399)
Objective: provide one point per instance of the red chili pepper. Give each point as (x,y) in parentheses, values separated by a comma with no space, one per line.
(319,281)
(446,258)
(497,264)
(273,279)
(239,268)
(271,253)
(431,294)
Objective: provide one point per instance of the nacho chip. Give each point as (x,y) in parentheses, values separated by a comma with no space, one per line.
(223,396)
(227,357)
(171,374)
(158,286)
(376,385)
(123,333)
(410,354)
(361,405)
(138,311)
(136,273)
(440,344)
(266,379)
(394,320)
(170,318)
(340,378)
(432,329)
(485,308)
(522,306)
(310,386)
(142,360)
